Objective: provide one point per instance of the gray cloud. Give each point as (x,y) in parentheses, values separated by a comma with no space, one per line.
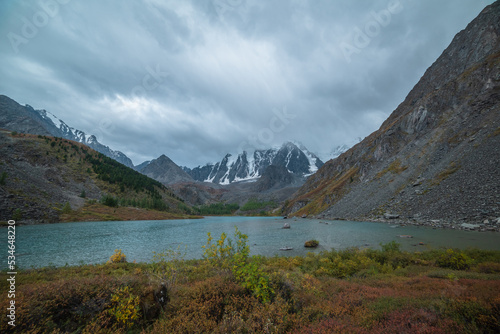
(197,79)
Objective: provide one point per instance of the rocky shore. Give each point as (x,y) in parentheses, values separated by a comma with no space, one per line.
(488,224)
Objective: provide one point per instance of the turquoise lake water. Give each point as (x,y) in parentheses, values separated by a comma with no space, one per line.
(95,242)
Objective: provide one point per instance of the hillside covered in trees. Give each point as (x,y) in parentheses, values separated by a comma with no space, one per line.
(46,179)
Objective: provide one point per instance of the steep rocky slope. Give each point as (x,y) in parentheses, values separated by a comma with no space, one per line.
(436,158)
(43,178)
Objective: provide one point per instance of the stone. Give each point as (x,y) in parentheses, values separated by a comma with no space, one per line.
(311,243)
(470,226)
(418,182)
(391,216)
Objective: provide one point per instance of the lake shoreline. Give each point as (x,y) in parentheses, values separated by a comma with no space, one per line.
(491,226)
(488,225)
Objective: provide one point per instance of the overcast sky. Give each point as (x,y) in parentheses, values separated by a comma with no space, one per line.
(198,79)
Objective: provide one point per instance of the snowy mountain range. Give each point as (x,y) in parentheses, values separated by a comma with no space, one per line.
(246,167)
(26,119)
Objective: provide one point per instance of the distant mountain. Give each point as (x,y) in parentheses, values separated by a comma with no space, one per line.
(243,167)
(436,158)
(339,149)
(165,171)
(142,165)
(26,119)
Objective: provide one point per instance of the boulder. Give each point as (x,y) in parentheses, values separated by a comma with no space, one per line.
(311,243)
(470,226)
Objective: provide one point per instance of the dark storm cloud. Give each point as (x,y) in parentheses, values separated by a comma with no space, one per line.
(197,79)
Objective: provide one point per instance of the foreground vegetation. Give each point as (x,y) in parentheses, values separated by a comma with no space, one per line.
(229,291)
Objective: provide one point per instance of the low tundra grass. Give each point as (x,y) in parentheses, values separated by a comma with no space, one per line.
(229,291)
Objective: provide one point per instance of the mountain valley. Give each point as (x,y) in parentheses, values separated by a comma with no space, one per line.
(435,160)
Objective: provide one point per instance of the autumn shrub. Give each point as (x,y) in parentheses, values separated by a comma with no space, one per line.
(124,307)
(330,305)
(220,253)
(488,268)
(482,255)
(251,277)
(235,256)
(454,259)
(344,263)
(285,262)
(391,247)
(332,325)
(385,305)
(165,270)
(220,305)
(390,254)
(117,257)
(200,308)
(64,304)
(282,285)
(411,270)
(471,314)
(411,320)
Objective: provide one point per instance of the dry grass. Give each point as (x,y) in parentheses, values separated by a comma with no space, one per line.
(99,212)
(394,168)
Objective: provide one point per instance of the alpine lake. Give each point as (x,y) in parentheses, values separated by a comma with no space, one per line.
(94,242)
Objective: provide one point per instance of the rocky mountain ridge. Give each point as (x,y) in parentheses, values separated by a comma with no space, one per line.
(26,119)
(435,160)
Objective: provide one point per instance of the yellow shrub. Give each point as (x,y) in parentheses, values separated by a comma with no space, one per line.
(117,257)
(125,307)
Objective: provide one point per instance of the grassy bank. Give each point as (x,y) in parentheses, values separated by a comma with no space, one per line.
(362,291)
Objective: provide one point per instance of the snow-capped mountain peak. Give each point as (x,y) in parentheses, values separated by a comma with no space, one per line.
(249,167)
